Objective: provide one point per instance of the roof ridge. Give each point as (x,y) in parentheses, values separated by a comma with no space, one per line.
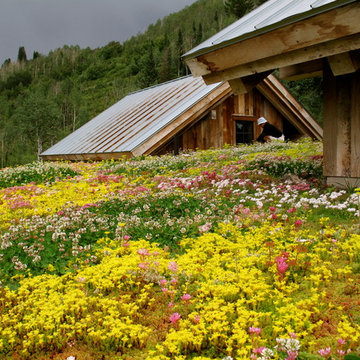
(161,84)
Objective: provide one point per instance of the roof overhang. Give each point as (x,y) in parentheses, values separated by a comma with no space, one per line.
(87,157)
(331,31)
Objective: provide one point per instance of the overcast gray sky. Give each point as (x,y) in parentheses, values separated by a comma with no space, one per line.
(45,25)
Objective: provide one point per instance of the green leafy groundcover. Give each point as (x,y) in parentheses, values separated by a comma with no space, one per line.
(37,173)
(238,253)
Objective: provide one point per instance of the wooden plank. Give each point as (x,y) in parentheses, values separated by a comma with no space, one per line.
(88,157)
(355,126)
(301,71)
(291,58)
(342,64)
(337,130)
(343,182)
(332,25)
(241,101)
(247,83)
(251,102)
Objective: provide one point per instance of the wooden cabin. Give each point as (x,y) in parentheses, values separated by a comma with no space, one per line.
(302,39)
(185,114)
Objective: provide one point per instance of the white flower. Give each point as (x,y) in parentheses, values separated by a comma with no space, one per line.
(71,358)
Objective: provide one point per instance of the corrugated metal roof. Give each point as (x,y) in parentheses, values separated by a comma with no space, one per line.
(271,15)
(131,121)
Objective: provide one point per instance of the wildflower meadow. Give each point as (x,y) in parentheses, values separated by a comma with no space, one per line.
(233,254)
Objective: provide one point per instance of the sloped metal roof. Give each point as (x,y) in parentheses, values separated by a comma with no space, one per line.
(269,16)
(134,119)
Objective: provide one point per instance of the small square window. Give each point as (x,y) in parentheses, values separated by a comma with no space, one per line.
(244,131)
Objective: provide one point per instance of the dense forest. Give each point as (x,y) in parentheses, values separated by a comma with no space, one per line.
(45,98)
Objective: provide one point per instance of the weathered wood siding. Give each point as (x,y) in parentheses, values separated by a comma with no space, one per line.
(341,125)
(217,128)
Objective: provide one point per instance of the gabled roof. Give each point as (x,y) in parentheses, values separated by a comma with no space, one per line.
(143,121)
(126,127)
(269,16)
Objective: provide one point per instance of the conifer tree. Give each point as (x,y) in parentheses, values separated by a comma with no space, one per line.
(241,7)
(149,72)
(181,69)
(22,54)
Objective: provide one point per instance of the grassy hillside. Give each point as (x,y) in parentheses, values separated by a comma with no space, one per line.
(240,253)
(46,98)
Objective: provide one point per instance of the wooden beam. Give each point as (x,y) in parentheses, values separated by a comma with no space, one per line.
(88,157)
(247,83)
(238,87)
(355,126)
(337,124)
(278,61)
(301,71)
(342,64)
(326,27)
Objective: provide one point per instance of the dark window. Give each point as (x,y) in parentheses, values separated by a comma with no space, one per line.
(244,131)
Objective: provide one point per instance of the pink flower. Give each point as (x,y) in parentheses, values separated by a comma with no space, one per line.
(324,352)
(298,222)
(259,350)
(143,265)
(274,216)
(205,228)
(341,342)
(291,210)
(282,267)
(174,317)
(255,330)
(197,318)
(170,305)
(125,244)
(293,335)
(163,281)
(126,237)
(186,297)
(173,266)
(164,290)
(272,209)
(292,355)
(143,252)
(281,264)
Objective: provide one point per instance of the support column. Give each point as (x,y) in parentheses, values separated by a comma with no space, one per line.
(341,128)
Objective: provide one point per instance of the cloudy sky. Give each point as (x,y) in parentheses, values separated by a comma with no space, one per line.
(45,25)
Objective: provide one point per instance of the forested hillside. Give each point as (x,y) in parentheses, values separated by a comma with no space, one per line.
(44,98)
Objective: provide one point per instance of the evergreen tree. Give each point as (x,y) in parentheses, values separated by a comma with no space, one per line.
(149,74)
(181,69)
(36,54)
(165,73)
(6,62)
(199,34)
(22,54)
(241,7)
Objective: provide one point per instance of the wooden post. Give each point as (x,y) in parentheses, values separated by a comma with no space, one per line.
(341,128)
